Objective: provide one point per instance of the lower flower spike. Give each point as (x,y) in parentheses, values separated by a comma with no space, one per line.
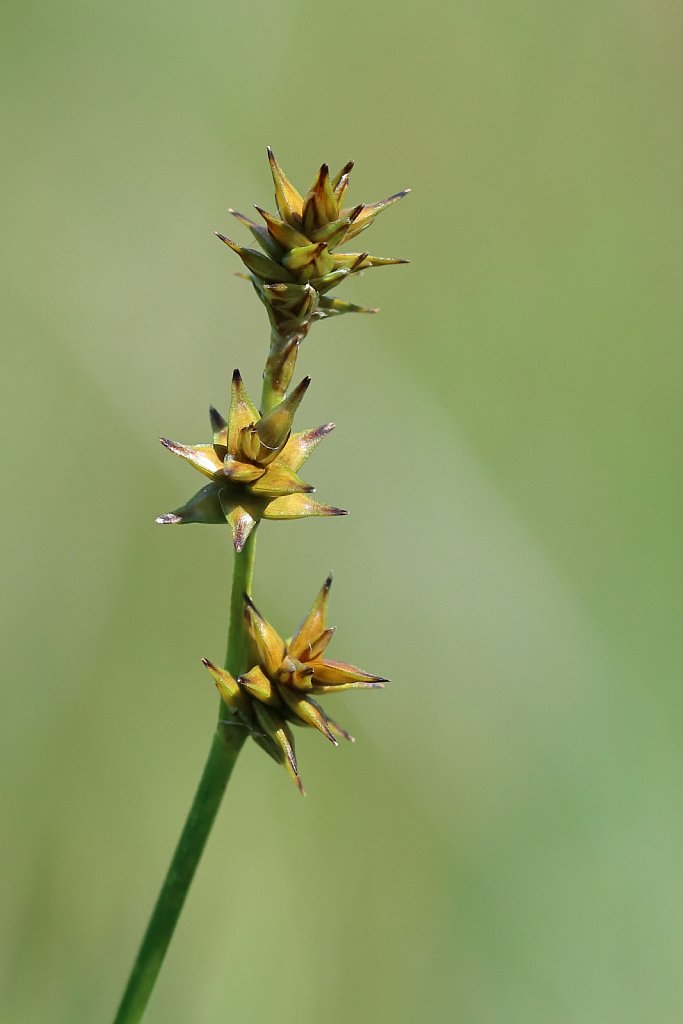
(278,690)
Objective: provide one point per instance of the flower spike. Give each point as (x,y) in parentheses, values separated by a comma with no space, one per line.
(300,262)
(280,687)
(252,466)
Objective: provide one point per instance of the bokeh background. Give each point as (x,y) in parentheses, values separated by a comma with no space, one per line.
(505,840)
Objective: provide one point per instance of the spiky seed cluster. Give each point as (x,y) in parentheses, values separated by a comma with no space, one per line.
(299,265)
(253,466)
(288,675)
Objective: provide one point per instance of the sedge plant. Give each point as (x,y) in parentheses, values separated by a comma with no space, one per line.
(251,464)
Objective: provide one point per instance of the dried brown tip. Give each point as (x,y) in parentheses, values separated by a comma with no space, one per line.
(302,386)
(217,421)
(340,731)
(250,604)
(167,443)
(241,217)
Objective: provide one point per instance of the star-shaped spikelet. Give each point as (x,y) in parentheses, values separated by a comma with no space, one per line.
(252,466)
(282,685)
(299,264)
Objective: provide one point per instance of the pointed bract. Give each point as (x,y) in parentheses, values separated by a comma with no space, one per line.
(307,712)
(258,685)
(203,507)
(201,456)
(243,412)
(241,472)
(279,731)
(281,232)
(300,506)
(238,518)
(219,427)
(336,307)
(228,688)
(299,446)
(288,201)
(275,428)
(269,644)
(261,234)
(357,261)
(369,212)
(262,266)
(278,481)
(340,176)
(339,673)
(313,625)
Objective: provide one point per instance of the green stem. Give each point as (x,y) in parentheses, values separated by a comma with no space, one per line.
(225,746)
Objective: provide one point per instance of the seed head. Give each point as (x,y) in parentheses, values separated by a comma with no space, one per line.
(281,687)
(299,264)
(252,466)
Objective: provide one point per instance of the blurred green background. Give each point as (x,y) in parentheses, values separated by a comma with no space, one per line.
(504,842)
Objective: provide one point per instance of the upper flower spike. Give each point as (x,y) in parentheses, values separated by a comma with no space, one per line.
(252,466)
(281,686)
(300,265)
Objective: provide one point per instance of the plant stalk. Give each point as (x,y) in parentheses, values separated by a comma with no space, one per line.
(278,371)
(225,746)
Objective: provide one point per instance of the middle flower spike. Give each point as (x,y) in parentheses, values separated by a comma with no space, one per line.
(252,466)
